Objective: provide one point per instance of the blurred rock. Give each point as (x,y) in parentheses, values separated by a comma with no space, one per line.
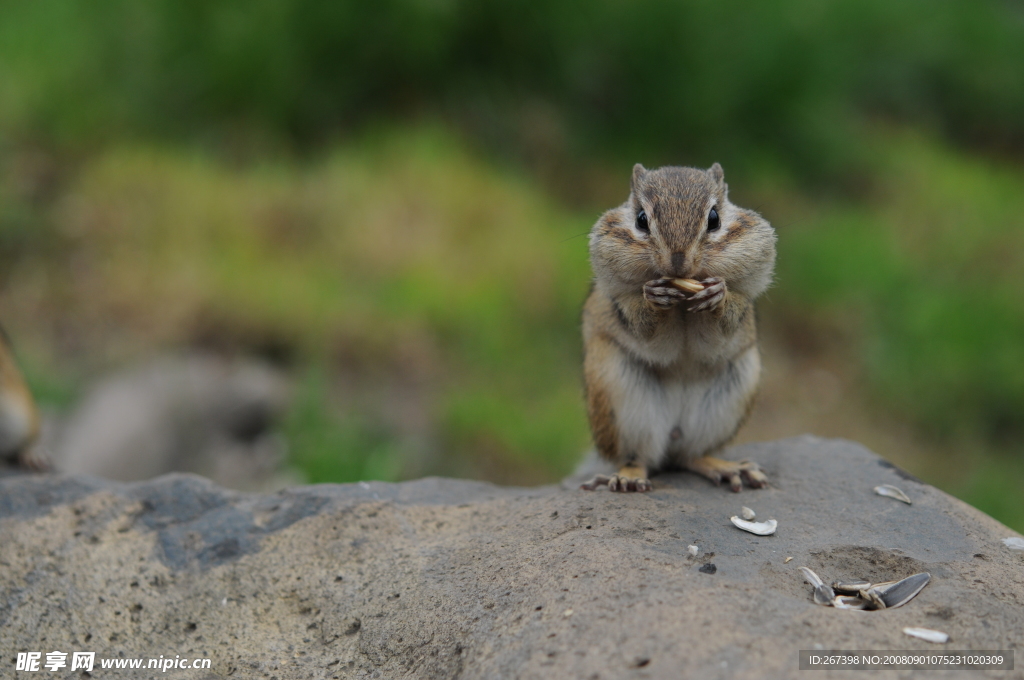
(441,578)
(194,413)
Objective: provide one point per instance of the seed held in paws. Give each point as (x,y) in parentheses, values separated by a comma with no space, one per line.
(688,285)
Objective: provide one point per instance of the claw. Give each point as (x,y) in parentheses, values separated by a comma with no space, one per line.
(710,297)
(704,294)
(752,475)
(736,474)
(627,479)
(662,294)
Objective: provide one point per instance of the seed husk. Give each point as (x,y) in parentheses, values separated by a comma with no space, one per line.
(850,587)
(902,592)
(747,513)
(849,602)
(892,492)
(811,577)
(861,594)
(759,528)
(824,595)
(928,634)
(872,599)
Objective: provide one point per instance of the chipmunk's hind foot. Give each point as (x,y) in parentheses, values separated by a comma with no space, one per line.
(736,473)
(628,478)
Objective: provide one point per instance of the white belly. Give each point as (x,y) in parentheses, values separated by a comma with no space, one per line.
(704,413)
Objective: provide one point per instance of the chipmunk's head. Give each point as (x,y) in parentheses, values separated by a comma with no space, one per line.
(679,223)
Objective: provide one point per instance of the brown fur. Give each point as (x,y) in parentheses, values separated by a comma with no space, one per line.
(602,415)
(642,344)
(19,418)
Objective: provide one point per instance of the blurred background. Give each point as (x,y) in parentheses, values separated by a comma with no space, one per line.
(309,241)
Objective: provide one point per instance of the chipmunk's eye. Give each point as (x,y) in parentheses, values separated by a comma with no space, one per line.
(641,221)
(713,220)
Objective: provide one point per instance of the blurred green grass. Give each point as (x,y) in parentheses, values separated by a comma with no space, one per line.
(931,271)
(328,446)
(738,82)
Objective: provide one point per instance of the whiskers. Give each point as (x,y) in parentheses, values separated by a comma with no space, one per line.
(565,240)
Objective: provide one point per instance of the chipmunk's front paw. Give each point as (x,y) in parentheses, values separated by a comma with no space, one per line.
(661,294)
(710,298)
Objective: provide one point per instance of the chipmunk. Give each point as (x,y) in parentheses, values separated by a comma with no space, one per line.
(670,374)
(19,418)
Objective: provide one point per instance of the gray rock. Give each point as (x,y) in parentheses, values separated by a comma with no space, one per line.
(440,578)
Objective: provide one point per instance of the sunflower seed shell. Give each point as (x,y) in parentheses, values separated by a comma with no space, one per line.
(928,634)
(849,602)
(902,592)
(811,577)
(759,528)
(872,599)
(850,587)
(824,595)
(892,492)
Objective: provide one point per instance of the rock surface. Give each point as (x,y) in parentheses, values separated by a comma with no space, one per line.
(441,578)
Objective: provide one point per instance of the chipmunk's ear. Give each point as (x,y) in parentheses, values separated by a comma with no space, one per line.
(638,174)
(717,174)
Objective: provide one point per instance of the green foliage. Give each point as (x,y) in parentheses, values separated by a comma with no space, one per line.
(993,486)
(660,79)
(931,272)
(52,388)
(331,446)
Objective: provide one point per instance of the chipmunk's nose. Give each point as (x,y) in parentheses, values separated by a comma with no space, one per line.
(679,265)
